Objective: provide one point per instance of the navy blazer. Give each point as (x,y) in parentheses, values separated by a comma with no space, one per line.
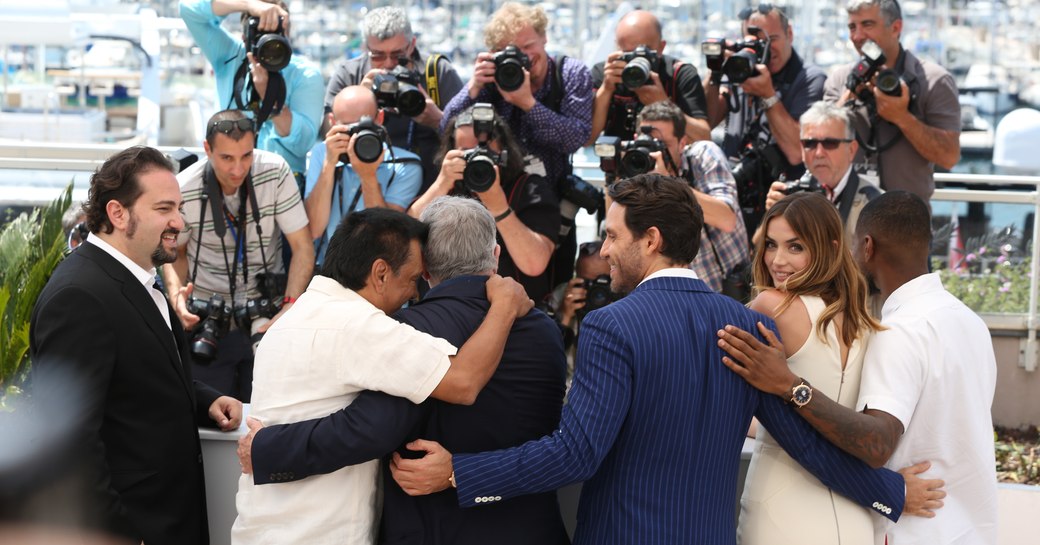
(521,402)
(655,423)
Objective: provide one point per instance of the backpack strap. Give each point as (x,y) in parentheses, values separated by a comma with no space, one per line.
(555,98)
(431,78)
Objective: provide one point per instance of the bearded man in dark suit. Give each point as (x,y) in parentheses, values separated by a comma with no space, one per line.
(102,344)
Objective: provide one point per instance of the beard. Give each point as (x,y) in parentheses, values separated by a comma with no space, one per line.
(159,256)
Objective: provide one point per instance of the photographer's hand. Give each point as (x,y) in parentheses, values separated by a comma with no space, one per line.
(573,300)
(776,192)
(370,77)
(483,74)
(895,110)
(612,69)
(659,165)
(268,14)
(259,75)
(653,91)
(761,85)
(523,97)
(371,192)
(494,198)
(431,115)
(337,142)
(180,306)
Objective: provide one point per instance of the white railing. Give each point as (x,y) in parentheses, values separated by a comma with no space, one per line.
(69,159)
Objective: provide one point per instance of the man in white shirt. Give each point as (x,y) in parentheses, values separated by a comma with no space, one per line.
(337,341)
(927,387)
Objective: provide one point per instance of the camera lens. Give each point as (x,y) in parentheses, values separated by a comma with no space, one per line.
(636,73)
(740,66)
(368,146)
(509,74)
(479,174)
(888,82)
(636,162)
(410,101)
(273,52)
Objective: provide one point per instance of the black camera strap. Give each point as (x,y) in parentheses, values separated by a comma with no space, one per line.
(274,96)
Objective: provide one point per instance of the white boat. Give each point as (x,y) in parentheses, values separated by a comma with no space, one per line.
(992,87)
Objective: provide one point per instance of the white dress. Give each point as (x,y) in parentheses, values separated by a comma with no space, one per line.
(782,502)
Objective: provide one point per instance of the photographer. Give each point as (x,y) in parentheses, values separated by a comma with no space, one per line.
(237,203)
(389,42)
(724,248)
(290,122)
(624,84)
(828,146)
(480,157)
(354,168)
(904,132)
(587,291)
(761,112)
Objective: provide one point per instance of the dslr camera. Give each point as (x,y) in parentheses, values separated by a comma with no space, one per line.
(597,293)
(510,64)
(368,146)
(641,61)
(399,89)
(270,49)
(214,323)
(259,310)
(869,64)
(479,174)
(741,64)
(635,154)
(806,183)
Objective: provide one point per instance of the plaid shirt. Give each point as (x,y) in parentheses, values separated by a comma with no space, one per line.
(704,165)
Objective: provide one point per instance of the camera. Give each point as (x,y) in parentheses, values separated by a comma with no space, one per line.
(608,149)
(888,81)
(635,158)
(758,162)
(806,183)
(400,89)
(270,49)
(597,293)
(479,174)
(641,61)
(741,64)
(215,321)
(867,66)
(510,64)
(368,146)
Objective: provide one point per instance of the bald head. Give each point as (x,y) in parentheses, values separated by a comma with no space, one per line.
(639,28)
(352,103)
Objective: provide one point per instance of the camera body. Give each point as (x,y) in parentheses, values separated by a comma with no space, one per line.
(597,293)
(635,154)
(740,66)
(399,89)
(214,323)
(641,61)
(368,146)
(271,49)
(479,174)
(870,64)
(510,64)
(807,183)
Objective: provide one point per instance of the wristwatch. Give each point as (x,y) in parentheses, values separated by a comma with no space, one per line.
(768,103)
(801,394)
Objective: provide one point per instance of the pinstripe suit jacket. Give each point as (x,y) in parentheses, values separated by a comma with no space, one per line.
(655,423)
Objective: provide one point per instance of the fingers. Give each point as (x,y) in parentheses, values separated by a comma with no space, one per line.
(771,337)
(735,367)
(253,424)
(917,468)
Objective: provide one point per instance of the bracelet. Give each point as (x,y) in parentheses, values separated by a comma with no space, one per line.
(504,215)
(288,300)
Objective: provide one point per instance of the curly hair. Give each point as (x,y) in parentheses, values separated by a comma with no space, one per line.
(509,20)
(118,179)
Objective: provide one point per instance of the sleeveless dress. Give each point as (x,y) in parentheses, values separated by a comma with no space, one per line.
(782,502)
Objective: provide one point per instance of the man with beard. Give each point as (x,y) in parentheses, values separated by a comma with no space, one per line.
(106,348)
(237,204)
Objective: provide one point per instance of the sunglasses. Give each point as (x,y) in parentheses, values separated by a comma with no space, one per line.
(764,9)
(228,126)
(829,144)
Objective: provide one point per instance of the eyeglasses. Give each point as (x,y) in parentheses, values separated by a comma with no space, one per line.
(746,13)
(228,126)
(380,56)
(829,144)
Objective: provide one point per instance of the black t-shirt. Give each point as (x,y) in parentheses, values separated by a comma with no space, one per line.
(681,82)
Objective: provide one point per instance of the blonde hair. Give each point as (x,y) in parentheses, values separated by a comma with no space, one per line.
(831,275)
(509,20)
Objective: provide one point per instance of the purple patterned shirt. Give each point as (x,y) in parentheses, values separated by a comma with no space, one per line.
(705,166)
(548,135)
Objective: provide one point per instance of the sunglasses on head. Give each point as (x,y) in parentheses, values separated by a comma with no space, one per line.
(764,9)
(227,126)
(829,144)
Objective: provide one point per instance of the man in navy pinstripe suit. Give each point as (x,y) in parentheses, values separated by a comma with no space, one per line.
(654,423)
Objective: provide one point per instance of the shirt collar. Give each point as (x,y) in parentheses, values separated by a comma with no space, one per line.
(921,285)
(145,277)
(835,193)
(674,272)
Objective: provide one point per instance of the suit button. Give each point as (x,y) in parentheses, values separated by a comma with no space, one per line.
(478,499)
(498,498)
(271,477)
(291,475)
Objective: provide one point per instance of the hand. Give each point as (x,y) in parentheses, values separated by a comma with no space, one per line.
(259,74)
(226,411)
(776,192)
(653,91)
(370,77)
(180,307)
(923,496)
(494,199)
(245,445)
(764,367)
(337,142)
(761,85)
(425,475)
(573,300)
(523,97)
(268,15)
(431,115)
(659,166)
(365,171)
(893,109)
(452,166)
(267,325)
(612,69)
(509,294)
(483,73)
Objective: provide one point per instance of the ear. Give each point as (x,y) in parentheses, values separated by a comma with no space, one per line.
(206,148)
(660,48)
(653,241)
(868,248)
(897,27)
(853,146)
(118,215)
(379,275)
(379,116)
(498,255)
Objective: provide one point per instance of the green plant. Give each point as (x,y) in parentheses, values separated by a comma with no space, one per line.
(1018,455)
(993,277)
(31,246)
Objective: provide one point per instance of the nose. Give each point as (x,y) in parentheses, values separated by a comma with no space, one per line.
(856,35)
(604,250)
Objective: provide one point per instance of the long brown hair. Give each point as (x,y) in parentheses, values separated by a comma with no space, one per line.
(831,274)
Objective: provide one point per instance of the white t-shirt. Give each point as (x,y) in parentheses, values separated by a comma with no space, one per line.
(934,370)
(315,360)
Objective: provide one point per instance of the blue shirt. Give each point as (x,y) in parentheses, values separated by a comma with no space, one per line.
(304,86)
(406,176)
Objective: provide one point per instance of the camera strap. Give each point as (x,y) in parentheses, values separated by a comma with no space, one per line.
(274,97)
(432,88)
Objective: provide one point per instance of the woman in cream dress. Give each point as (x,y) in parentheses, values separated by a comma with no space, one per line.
(809,284)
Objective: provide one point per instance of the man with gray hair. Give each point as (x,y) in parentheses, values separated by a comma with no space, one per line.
(522,401)
(389,43)
(828,147)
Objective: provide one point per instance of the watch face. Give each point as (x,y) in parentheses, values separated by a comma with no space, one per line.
(801,394)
